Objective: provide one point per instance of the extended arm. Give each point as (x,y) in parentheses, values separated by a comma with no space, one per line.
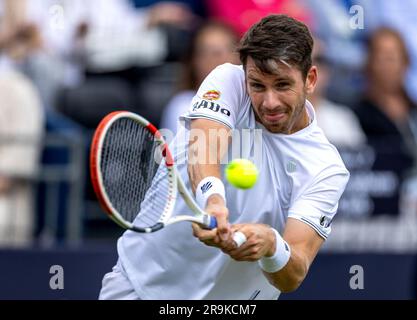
(303,243)
(208,144)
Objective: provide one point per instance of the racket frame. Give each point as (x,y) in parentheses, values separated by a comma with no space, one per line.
(175,181)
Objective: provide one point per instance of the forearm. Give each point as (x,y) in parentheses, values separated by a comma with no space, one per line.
(304,243)
(198,172)
(207,146)
(284,260)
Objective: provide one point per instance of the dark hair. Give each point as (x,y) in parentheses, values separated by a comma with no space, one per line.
(278,37)
(189,79)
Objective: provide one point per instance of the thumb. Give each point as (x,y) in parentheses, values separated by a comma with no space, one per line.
(223,227)
(221,214)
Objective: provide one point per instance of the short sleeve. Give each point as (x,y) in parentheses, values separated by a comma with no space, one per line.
(220,96)
(318,204)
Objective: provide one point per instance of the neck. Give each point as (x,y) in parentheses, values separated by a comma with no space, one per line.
(315,100)
(377,93)
(302,122)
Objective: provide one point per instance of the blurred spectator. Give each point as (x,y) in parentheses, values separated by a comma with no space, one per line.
(241,14)
(102,36)
(126,52)
(387,115)
(400,16)
(213,44)
(110,34)
(344,26)
(21,127)
(386,111)
(338,122)
(25,46)
(119,36)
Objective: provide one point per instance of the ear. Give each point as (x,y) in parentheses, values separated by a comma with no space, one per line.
(311,80)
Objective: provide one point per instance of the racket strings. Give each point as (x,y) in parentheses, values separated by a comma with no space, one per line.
(136,185)
(154,205)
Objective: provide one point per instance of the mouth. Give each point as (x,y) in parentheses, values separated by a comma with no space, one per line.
(275,116)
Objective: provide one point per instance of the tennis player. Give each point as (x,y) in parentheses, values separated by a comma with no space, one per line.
(285,217)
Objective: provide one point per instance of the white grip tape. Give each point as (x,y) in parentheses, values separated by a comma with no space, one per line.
(239,238)
(207,187)
(279,259)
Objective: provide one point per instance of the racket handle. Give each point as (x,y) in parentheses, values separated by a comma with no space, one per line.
(238,237)
(212,223)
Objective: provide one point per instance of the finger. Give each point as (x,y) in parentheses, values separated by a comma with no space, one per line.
(196,229)
(245,249)
(214,242)
(227,247)
(243,256)
(206,235)
(249,254)
(241,232)
(223,226)
(237,227)
(239,238)
(249,258)
(230,248)
(203,234)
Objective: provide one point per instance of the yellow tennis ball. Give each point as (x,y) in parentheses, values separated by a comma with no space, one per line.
(241,173)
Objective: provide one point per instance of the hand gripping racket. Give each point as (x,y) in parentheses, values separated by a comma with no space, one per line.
(135,178)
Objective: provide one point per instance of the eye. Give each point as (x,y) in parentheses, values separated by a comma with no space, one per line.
(256,85)
(282,85)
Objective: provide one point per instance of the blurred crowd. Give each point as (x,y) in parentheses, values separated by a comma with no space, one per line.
(64,64)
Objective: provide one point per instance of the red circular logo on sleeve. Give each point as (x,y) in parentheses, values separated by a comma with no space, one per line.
(211,95)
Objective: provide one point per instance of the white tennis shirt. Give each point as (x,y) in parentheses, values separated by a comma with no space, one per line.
(301,176)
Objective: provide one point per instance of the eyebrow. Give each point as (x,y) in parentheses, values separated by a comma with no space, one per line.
(279,78)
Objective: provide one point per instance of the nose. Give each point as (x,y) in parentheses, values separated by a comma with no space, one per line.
(270,100)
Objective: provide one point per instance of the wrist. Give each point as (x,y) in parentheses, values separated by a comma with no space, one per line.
(280,257)
(216,199)
(210,190)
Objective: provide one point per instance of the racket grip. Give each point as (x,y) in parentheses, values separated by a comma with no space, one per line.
(238,237)
(212,223)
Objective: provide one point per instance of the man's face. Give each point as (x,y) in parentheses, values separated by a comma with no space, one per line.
(278,99)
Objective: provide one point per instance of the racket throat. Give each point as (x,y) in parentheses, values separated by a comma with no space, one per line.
(203,220)
(155,227)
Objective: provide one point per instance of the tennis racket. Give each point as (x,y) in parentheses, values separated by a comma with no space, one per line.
(135,178)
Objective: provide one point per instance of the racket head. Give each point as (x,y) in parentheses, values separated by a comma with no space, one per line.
(128,158)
